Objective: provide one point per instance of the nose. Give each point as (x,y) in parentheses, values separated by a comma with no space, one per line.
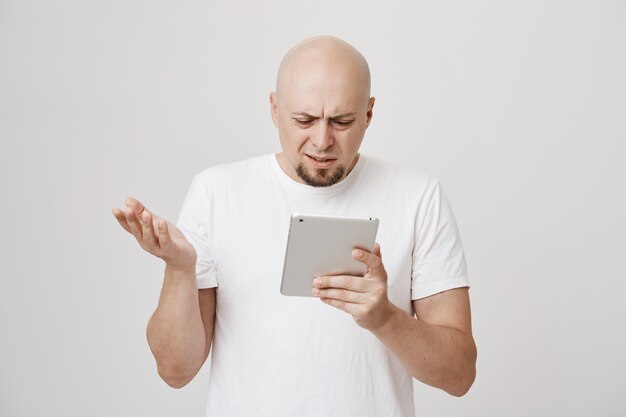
(322,137)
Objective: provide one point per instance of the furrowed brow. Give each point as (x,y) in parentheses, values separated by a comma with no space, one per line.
(304,114)
(343,115)
(310,116)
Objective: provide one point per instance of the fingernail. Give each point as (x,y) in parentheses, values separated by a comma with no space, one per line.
(316,282)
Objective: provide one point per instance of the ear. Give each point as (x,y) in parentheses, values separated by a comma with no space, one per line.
(273,104)
(370,107)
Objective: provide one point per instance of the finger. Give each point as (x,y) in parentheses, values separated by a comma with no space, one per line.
(155,226)
(121,219)
(135,205)
(346,282)
(133,222)
(373,261)
(340,295)
(147,230)
(350,308)
(163,233)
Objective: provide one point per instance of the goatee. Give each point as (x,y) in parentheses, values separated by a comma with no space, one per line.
(323,177)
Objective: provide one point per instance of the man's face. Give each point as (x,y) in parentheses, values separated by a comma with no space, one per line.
(321,120)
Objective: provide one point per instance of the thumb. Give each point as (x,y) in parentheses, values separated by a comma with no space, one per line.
(377,250)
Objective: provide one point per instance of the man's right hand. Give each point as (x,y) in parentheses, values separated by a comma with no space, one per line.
(156,235)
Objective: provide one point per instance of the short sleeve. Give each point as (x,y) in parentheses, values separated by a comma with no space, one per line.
(438,258)
(193,223)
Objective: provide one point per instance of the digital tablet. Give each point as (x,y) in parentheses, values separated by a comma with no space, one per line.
(322,245)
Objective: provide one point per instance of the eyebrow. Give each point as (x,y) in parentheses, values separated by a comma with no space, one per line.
(339,116)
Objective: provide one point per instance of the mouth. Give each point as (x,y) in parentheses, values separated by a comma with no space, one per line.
(321,162)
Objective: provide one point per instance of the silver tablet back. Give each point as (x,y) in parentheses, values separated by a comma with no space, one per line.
(322,245)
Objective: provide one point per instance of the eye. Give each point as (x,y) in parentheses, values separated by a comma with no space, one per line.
(343,123)
(304,122)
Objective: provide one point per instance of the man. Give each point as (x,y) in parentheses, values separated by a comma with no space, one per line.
(354,348)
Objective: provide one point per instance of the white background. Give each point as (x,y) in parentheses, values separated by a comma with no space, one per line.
(519,107)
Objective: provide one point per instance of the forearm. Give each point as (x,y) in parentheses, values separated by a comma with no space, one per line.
(439,356)
(175,331)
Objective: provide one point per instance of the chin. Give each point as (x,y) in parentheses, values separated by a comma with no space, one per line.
(320,177)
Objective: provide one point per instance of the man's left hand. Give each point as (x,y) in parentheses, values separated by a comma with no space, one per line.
(364,297)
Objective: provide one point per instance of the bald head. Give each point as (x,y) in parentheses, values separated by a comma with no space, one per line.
(325,59)
(321,108)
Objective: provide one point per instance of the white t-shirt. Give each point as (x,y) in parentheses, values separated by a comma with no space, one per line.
(274,355)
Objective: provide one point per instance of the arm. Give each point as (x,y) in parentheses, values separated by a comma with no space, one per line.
(436,348)
(181,329)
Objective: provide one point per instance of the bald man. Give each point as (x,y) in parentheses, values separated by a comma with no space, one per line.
(353,349)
